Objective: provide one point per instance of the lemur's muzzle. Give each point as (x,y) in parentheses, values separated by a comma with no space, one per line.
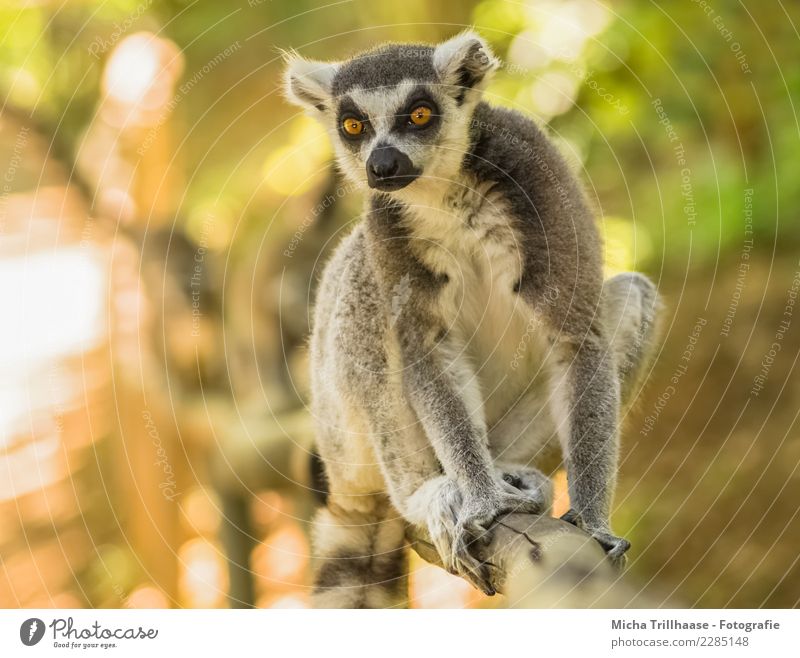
(388,169)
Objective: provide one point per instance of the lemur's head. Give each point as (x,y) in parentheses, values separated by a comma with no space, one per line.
(397,113)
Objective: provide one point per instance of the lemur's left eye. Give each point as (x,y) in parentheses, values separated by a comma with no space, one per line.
(420,115)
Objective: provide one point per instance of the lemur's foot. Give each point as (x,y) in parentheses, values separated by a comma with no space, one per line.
(532,483)
(615,547)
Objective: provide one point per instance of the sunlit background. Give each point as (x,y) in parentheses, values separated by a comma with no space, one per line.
(163,217)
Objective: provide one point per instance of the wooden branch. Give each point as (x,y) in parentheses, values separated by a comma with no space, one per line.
(542,562)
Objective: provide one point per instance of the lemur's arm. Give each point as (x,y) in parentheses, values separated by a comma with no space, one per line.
(460,506)
(436,380)
(588,390)
(439,384)
(585,399)
(441,390)
(419,490)
(414,448)
(600,375)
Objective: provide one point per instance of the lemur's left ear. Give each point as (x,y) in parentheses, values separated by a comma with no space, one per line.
(308,83)
(464,62)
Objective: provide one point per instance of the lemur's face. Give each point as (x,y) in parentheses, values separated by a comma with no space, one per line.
(389,134)
(399,113)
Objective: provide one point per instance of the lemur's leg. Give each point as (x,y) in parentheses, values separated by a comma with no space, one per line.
(443,393)
(359,546)
(631,306)
(391,440)
(525,433)
(376,458)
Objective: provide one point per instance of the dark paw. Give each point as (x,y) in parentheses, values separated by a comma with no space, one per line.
(615,547)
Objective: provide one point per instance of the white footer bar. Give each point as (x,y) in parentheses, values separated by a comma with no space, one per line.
(397,633)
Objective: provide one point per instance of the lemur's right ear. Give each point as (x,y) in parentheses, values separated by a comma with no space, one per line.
(308,83)
(464,62)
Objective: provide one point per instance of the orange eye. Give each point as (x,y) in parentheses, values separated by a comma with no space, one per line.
(353,126)
(421,115)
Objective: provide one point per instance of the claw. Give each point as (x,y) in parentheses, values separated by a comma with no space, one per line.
(472,568)
(529,506)
(481,579)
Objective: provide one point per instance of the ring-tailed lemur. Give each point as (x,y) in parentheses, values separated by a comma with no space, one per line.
(460,326)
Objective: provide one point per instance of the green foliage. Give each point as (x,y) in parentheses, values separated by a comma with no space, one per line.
(735,116)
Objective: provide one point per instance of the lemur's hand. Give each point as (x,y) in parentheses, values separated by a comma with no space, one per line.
(615,547)
(473,529)
(444,512)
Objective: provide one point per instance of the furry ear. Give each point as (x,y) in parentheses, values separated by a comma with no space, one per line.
(464,62)
(308,83)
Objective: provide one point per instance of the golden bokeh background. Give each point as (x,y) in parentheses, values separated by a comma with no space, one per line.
(163,217)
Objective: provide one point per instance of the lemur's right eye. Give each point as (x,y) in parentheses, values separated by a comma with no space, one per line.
(353,126)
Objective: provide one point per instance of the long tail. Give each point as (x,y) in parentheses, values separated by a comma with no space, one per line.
(362,557)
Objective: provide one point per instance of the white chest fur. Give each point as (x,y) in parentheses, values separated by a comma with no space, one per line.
(468,236)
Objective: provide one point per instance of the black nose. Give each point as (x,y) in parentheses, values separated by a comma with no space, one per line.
(388,168)
(384,162)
